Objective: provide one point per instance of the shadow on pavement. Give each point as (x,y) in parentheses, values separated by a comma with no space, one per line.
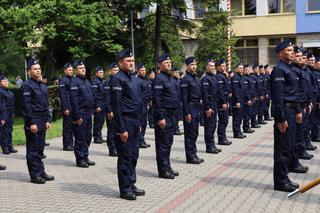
(90,189)
(15,176)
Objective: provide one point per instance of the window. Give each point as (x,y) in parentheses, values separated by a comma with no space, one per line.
(177,13)
(313,5)
(273,42)
(281,6)
(244,7)
(199,10)
(248,51)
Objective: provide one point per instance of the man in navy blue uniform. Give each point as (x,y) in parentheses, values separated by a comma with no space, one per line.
(210,94)
(237,101)
(99,105)
(223,114)
(191,97)
(178,116)
(35,110)
(6,116)
(286,112)
(64,94)
(150,105)
(113,70)
(266,75)
(126,107)
(249,95)
(82,107)
(316,137)
(165,103)
(145,94)
(257,97)
(263,90)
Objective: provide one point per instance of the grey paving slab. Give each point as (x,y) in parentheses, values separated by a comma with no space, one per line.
(237,180)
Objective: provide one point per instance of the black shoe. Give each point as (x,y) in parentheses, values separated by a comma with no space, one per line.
(90,162)
(148,145)
(239,136)
(38,180)
(151,126)
(295,185)
(248,131)
(200,159)
(98,141)
(194,161)
(175,173)
(12,150)
(212,151)
(47,177)
(287,187)
(5,151)
(229,141)
(166,175)
(317,139)
(128,196)
(219,150)
(177,132)
(305,156)
(43,156)
(268,119)
(113,153)
(298,169)
(137,191)
(310,147)
(2,167)
(46,144)
(224,142)
(262,122)
(143,145)
(256,126)
(82,164)
(68,148)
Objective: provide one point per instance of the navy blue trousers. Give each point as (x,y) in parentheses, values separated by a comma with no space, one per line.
(223,116)
(110,134)
(164,140)
(246,116)
(83,136)
(143,122)
(98,121)
(191,132)
(67,134)
(128,154)
(237,116)
(6,134)
(210,124)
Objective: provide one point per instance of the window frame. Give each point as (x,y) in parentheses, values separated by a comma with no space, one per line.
(310,11)
(243,9)
(282,8)
(246,47)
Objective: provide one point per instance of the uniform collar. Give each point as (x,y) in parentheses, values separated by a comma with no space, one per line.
(193,75)
(208,73)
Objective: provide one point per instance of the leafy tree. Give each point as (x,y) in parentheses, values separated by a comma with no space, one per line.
(78,27)
(213,36)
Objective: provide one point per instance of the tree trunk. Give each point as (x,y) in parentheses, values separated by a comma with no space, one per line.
(49,60)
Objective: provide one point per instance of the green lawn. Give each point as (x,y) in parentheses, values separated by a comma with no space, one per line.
(19,137)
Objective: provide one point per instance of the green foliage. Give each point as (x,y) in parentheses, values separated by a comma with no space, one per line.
(213,37)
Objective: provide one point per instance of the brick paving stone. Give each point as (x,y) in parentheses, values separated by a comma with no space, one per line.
(237,180)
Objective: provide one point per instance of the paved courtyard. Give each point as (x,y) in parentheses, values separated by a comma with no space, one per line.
(237,180)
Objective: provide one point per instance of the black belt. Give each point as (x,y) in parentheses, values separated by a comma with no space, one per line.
(192,103)
(212,98)
(169,111)
(86,110)
(40,113)
(130,115)
(293,105)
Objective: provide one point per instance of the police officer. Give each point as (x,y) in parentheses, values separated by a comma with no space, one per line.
(317,107)
(210,94)
(286,112)
(191,97)
(6,116)
(150,105)
(37,119)
(126,107)
(249,95)
(99,102)
(266,75)
(178,116)
(223,114)
(82,107)
(113,70)
(145,94)
(263,90)
(64,94)
(237,101)
(257,97)
(165,102)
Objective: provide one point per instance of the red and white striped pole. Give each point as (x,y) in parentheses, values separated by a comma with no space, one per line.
(229,34)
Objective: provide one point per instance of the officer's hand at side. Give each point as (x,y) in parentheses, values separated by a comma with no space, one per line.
(124,137)
(110,116)
(230,95)
(79,121)
(238,105)
(66,113)
(98,109)
(34,128)
(299,118)
(3,122)
(209,112)
(188,118)
(162,123)
(261,98)
(48,125)
(224,106)
(283,126)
